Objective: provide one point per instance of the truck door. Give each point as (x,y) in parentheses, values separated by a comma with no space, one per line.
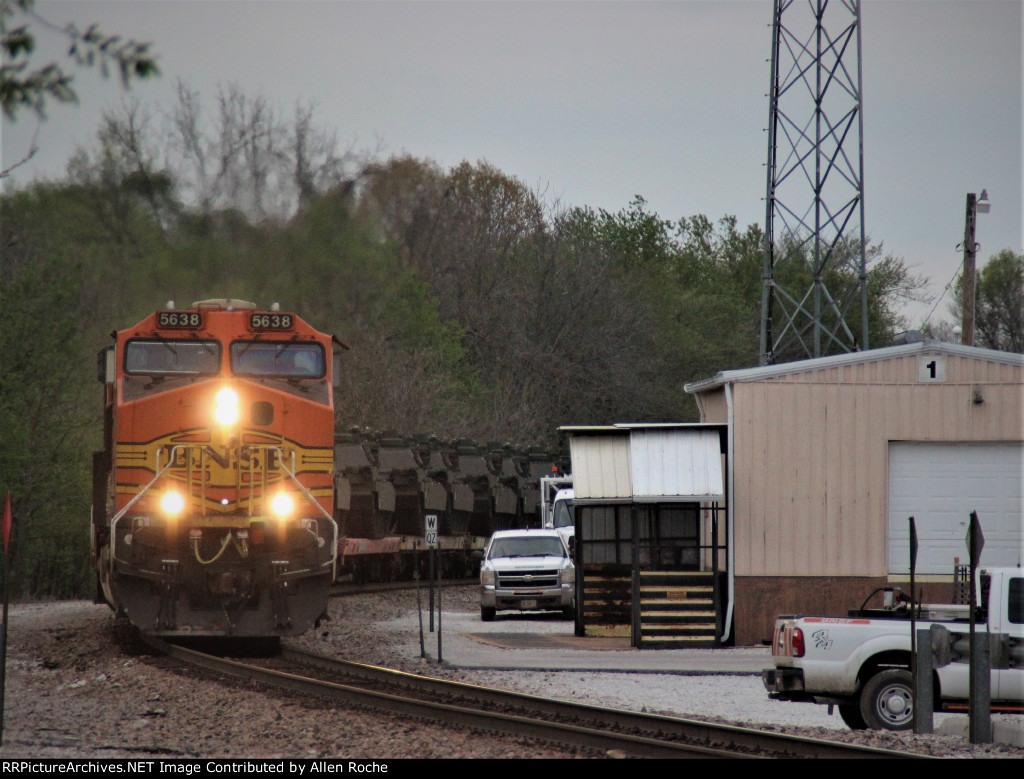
(1008,683)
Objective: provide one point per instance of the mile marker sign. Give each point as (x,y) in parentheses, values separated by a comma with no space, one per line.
(430,529)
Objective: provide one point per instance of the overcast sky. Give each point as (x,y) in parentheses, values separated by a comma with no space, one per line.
(595,102)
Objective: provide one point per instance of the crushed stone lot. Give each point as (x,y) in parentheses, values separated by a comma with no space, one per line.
(79,685)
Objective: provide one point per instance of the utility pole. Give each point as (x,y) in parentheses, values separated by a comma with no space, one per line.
(974,207)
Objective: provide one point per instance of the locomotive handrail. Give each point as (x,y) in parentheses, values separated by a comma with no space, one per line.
(159,472)
(309,495)
(127,507)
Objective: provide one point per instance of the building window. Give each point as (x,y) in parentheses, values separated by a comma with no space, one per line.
(607,533)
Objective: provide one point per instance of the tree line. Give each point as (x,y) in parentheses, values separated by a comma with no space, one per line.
(471,305)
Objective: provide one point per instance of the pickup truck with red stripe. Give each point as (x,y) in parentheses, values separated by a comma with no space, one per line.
(861,663)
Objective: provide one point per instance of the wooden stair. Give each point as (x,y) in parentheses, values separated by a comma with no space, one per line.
(606,606)
(677,610)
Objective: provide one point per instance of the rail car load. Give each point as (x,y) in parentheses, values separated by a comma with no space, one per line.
(386,484)
(213,496)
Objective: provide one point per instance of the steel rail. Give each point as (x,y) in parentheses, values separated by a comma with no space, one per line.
(595,731)
(693,731)
(544,730)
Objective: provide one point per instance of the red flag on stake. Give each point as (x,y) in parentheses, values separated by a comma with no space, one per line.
(7,523)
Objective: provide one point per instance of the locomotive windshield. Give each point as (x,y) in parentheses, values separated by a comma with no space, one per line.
(172,358)
(278,359)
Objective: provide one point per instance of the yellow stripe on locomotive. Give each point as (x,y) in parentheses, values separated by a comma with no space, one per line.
(234,482)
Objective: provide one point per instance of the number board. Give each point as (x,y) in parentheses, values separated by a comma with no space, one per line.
(271,321)
(179,320)
(931,368)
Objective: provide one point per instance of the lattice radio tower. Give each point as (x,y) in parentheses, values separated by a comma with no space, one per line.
(815,271)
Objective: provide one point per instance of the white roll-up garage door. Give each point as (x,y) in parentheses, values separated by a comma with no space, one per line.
(940,485)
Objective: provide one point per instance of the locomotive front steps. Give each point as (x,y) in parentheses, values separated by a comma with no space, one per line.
(677,610)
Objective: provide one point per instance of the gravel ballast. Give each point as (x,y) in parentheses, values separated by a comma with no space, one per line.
(78,685)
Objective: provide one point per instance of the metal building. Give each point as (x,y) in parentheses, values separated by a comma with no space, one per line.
(827,458)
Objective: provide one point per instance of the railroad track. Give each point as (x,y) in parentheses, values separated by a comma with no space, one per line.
(605,730)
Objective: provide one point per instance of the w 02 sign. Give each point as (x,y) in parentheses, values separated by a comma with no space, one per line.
(430,529)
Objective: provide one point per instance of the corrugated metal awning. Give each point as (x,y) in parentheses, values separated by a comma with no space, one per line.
(676,465)
(647,463)
(600,465)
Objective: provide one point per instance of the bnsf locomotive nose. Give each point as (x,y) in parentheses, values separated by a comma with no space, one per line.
(196,455)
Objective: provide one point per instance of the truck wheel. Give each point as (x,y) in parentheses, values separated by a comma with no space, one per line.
(887,701)
(569,612)
(850,714)
(487,613)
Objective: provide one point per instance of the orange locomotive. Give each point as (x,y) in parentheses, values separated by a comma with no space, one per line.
(213,498)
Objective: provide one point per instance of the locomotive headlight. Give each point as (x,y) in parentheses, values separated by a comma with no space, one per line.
(226,411)
(282,505)
(172,502)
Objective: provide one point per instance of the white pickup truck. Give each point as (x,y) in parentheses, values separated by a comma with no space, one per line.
(527,570)
(861,663)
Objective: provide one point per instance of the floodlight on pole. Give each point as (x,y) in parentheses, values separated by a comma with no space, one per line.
(983,205)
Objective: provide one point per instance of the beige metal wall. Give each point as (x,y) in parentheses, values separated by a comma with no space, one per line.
(810,454)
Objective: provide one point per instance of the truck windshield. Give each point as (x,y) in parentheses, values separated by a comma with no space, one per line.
(546,546)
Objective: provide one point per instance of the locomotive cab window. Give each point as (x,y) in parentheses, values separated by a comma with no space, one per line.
(278,359)
(172,358)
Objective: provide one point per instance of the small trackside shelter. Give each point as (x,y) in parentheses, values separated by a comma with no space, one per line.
(830,457)
(650,532)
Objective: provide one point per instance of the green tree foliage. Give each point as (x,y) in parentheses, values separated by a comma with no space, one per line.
(1000,309)
(889,287)
(999,302)
(25,85)
(46,414)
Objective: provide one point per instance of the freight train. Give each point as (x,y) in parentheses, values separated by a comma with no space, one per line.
(213,497)
(225,505)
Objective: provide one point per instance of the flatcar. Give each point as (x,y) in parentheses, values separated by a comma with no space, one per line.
(213,496)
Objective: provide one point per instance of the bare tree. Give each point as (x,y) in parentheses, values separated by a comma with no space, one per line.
(248,158)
